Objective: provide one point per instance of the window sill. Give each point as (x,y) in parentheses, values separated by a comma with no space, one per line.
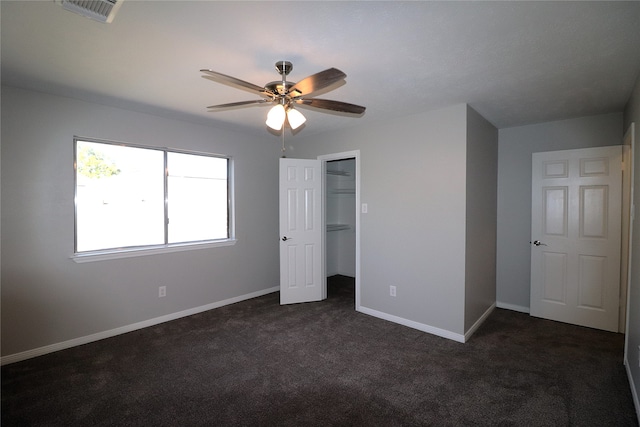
(132,253)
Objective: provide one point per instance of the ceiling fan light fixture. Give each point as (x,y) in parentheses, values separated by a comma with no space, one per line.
(285,94)
(296,119)
(276,116)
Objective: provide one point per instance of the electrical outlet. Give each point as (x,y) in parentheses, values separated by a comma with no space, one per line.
(392,291)
(162,291)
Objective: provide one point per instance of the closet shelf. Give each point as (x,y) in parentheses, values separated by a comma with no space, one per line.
(337,227)
(343,191)
(338,172)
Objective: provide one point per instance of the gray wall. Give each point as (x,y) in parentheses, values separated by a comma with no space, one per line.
(46,297)
(514,191)
(414,178)
(482,179)
(632,115)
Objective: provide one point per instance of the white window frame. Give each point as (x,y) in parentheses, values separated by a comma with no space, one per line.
(136,251)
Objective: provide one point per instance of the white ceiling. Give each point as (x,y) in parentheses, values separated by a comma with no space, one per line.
(514,62)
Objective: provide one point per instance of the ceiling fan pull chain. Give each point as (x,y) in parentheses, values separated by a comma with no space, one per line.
(283,148)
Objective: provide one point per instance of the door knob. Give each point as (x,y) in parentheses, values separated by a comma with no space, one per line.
(539,243)
(285,238)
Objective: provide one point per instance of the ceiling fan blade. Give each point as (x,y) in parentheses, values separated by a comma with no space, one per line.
(327,104)
(316,82)
(238,104)
(232,81)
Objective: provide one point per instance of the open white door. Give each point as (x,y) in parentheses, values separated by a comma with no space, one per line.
(576,231)
(301,274)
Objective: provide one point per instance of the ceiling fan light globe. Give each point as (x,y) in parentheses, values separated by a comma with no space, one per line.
(275,117)
(296,119)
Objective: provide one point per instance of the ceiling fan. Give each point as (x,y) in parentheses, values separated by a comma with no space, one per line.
(285,95)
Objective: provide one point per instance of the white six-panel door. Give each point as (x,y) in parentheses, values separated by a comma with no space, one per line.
(301,273)
(575,235)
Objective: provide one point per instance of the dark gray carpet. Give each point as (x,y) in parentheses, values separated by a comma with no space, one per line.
(256,363)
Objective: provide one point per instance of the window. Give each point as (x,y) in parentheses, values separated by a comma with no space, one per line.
(131,197)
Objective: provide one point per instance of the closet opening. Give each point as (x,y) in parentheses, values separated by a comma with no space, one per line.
(341,227)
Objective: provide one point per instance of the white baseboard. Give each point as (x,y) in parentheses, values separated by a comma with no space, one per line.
(634,393)
(513,307)
(479,322)
(17,357)
(411,324)
(443,333)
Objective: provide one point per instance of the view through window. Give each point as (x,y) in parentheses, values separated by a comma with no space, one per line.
(134,197)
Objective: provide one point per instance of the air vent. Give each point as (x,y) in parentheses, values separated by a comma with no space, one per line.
(99,10)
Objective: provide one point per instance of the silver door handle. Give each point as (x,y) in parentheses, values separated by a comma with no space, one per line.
(285,238)
(539,243)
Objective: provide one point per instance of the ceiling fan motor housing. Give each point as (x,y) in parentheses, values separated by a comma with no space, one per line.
(281,88)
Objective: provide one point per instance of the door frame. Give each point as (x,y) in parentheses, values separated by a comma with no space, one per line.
(324,159)
(629,136)
(627,224)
